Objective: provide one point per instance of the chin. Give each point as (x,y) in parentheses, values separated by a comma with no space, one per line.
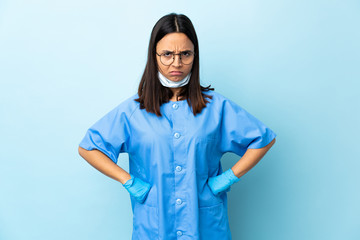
(176,78)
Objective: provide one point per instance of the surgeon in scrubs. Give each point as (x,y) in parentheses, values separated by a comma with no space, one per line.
(175,132)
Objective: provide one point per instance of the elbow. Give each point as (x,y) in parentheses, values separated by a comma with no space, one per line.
(272,143)
(81,151)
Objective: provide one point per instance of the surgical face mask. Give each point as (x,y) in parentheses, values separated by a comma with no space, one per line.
(171,84)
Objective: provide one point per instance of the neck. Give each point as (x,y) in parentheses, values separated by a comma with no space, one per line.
(176,92)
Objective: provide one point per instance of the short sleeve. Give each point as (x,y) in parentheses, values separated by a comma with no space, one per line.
(240,130)
(110,134)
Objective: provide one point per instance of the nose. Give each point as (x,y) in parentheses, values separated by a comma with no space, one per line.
(177,60)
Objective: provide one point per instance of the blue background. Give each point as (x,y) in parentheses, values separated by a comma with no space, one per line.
(295,65)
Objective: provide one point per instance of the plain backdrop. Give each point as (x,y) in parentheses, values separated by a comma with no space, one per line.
(295,65)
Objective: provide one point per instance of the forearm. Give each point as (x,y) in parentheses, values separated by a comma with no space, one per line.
(104,164)
(250,159)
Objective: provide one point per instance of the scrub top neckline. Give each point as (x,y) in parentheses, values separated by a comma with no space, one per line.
(176,101)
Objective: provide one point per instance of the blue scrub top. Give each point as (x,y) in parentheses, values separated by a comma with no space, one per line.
(176,154)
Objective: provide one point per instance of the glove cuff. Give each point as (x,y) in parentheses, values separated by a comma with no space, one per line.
(231,176)
(129,182)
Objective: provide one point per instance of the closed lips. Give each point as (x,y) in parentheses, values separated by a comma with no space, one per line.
(175,73)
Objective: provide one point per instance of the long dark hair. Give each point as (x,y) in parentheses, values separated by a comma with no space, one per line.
(151,92)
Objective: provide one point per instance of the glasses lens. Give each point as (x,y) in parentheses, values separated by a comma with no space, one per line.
(187,57)
(166,58)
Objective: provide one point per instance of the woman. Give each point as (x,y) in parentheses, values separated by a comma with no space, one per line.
(175,132)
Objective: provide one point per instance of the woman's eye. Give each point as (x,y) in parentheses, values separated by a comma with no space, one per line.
(186,54)
(167,54)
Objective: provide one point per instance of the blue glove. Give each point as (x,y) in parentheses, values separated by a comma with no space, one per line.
(137,188)
(222,182)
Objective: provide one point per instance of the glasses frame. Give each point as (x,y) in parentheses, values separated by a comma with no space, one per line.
(174,58)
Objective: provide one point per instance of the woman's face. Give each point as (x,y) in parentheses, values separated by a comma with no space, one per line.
(174,42)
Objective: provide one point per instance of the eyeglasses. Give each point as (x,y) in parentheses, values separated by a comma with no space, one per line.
(167,58)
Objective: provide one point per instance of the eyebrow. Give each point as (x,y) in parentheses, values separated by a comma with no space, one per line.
(186,50)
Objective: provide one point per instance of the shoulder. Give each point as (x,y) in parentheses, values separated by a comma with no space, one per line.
(127,106)
(223,104)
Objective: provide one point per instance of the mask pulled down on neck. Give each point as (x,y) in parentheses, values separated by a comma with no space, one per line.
(172,84)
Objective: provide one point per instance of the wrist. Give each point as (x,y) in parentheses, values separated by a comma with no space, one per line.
(129,182)
(231,176)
